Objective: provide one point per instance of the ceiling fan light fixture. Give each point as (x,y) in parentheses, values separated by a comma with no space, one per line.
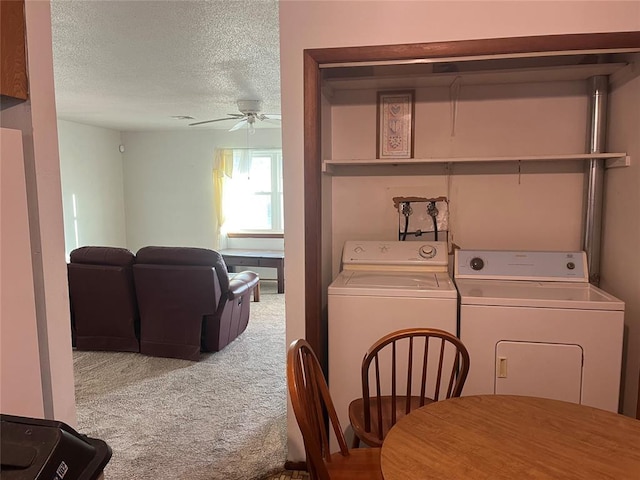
(249,106)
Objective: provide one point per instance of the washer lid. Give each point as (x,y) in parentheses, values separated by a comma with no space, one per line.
(393,284)
(520,293)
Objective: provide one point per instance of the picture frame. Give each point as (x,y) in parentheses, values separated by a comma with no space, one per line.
(395,129)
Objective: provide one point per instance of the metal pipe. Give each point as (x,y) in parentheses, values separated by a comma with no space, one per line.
(592,233)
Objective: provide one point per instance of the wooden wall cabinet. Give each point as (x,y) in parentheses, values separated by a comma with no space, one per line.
(13,66)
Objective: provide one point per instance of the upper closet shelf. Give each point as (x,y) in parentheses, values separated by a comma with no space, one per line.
(332,167)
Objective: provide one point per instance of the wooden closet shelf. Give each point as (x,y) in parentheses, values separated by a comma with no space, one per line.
(612,160)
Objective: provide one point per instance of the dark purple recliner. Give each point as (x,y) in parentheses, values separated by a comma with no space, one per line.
(102,297)
(187,301)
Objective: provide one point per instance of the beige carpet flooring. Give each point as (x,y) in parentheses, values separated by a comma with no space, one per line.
(289,475)
(222,418)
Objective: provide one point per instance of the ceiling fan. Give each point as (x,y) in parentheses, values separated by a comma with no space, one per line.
(249,113)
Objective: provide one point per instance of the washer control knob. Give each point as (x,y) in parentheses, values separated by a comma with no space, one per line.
(427,251)
(358,249)
(476,263)
(571,265)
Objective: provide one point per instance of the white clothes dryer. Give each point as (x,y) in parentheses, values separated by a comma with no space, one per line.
(383,287)
(535,326)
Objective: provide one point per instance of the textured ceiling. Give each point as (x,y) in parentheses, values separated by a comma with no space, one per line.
(132,65)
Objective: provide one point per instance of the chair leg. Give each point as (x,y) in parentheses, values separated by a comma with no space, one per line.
(355,443)
(256,292)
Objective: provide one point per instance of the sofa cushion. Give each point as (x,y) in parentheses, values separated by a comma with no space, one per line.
(186,256)
(120,257)
(104,310)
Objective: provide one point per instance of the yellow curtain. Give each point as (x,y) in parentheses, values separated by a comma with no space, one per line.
(222,167)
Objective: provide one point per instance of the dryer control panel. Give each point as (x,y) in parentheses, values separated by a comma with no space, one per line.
(521,265)
(395,253)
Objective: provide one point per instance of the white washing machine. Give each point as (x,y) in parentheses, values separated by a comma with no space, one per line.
(535,326)
(383,287)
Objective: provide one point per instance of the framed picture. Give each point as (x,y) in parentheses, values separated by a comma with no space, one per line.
(395,124)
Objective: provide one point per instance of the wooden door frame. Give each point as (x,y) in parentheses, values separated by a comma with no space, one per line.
(314,59)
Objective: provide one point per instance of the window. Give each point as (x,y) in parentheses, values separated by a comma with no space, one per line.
(253,195)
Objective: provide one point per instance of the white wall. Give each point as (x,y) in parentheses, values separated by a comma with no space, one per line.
(170,193)
(168,179)
(91,170)
(516,212)
(621,226)
(319,24)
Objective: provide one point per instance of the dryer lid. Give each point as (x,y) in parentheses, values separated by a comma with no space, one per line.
(519,293)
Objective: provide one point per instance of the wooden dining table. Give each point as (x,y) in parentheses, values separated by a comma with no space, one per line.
(511,437)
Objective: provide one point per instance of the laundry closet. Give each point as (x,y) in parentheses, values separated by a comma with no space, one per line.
(502,147)
(500,140)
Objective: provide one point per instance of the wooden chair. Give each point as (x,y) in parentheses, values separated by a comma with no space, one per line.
(441,366)
(312,405)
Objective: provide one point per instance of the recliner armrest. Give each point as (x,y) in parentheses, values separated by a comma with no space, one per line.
(241,283)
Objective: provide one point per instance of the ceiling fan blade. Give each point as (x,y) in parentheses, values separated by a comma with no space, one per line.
(275,121)
(271,116)
(238,125)
(215,120)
